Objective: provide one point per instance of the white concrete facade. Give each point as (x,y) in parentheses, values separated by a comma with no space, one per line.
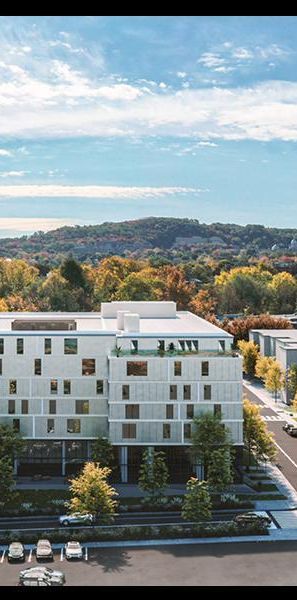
(62,378)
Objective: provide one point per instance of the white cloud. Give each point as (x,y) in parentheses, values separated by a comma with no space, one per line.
(211,60)
(29,225)
(92,191)
(181,74)
(5,174)
(4,152)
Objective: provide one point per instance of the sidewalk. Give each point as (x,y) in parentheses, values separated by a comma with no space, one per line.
(279,407)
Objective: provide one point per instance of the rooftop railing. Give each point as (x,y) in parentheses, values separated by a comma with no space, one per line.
(172,353)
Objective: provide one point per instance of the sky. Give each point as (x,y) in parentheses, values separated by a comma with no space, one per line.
(115,118)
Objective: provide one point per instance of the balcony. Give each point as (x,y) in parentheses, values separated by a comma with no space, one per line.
(173,353)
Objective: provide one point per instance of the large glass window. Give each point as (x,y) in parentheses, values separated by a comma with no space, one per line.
(0,366)
(37,366)
(217,410)
(99,386)
(16,425)
(82,407)
(70,346)
(25,407)
(166,431)
(73,425)
(190,411)
(88,366)
(11,407)
(51,426)
(132,411)
(187,392)
(125,392)
(129,431)
(47,346)
(67,386)
(1,345)
(54,386)
(52,409)
(187,430)
(173,392)
(169,411)
(205,368)
(12,386)
(177,368)
(207,392)
(20,346)
(137,368)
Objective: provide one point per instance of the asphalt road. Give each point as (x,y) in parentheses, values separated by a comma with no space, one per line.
(238,564)
(287,451)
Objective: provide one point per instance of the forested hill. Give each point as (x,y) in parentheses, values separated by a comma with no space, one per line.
(141,237)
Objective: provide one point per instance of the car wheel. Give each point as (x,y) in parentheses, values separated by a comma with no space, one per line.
(65,523)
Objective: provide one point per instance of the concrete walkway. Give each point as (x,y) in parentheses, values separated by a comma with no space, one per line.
(279,407)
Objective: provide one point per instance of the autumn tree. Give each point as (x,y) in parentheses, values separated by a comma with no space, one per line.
(240,327)
(292,380)
(197,501)
(204,303)
(242,289)
(176,287)
(250,354)
(263,364)
(153,473)
(258,441)
(275,379)
(90,493)
(283,289)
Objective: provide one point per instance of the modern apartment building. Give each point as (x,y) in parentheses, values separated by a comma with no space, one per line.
(280,343)
(136,373)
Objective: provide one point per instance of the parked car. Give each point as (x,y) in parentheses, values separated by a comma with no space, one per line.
(73,549)
(293,431)
(41,576)
(287,427)
(44,550)
(250,517)
(76,519)
(16,552)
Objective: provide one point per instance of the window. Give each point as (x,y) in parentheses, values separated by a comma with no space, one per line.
(12,386)
(132,411)
(161,345)
(187,392)
(134,346)
(169,411)
(52,408)
(16,425)
(54,386)
(82,407)
(166,431)
(11,407)
(125,392)
(0,366)
(222,345)
(129,431)
(190,411)
(217,410)
(73,425)
(47,346)
(88,366)
(37,366)
(205,368)
(173,392)
(138,368)
(67,386)
(187,430)
(207,392)
(70,346)
(1,345)
(99,386)
(195,345)
(182,345)
(25,407)
(20,346)
(177,367)
(51,426)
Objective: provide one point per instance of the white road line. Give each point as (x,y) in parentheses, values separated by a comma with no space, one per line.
(286,455)
(62,554)
(2,557)
(30,555)
(86,553)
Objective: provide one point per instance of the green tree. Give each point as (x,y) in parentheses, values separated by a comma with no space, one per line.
(197,501)
(90,492)
(153,474)
(284,293)
(275,379)
(11,443)
(258,441)
(220,470)
(102,452)
(292,380)
(73,272)
(250,354)
(7,482)
(208,435)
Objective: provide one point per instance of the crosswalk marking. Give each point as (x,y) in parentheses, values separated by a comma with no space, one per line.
(86,553)
(272,418)
(30,556)
(62,555)
(2,557)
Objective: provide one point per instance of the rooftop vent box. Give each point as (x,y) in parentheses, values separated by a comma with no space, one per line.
(131,322)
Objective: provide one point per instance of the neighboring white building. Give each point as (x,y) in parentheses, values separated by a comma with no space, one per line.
(280,343)
(67,378)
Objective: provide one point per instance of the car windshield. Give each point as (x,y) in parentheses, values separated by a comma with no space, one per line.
(73,545)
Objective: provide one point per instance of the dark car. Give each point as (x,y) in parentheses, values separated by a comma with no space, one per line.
(16,552)
(248,518)
(293,431)
(287,427)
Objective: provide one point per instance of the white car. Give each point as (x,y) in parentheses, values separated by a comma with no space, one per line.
(36,576)
(73,550)
(76,519)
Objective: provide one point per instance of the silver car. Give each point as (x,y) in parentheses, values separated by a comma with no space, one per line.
(73,550)
(41,576)
(44,550)
(16,552)
(76,519)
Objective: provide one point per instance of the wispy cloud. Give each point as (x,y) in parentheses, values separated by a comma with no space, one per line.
(29,225)
(5,153)
(93,191)
(5,174)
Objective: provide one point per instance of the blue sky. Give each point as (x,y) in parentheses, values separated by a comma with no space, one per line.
(114,118)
